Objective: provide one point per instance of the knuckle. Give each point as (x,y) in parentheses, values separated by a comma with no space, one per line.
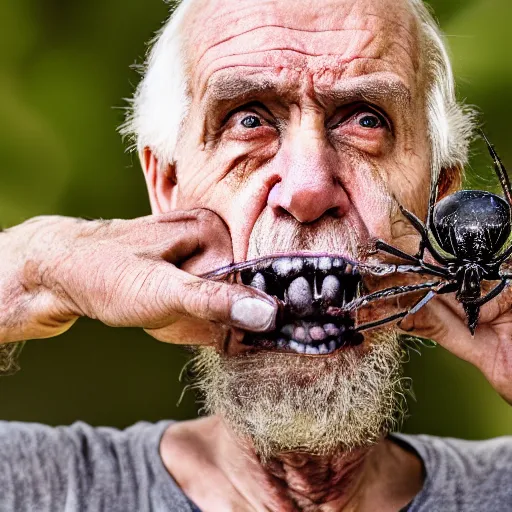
(209,219)
(202,298)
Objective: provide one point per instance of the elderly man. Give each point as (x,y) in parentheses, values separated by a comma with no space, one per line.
(263,128)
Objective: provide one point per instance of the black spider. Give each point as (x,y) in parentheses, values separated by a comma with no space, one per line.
(467,233)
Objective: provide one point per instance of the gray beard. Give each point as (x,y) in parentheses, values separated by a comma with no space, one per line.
(321,406)
(318,405)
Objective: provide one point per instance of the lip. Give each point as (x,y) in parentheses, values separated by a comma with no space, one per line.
(314,292)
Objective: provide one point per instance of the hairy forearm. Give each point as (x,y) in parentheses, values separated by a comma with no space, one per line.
(29,253)
(125,273)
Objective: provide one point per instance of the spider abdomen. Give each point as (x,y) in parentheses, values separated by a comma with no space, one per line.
(472,225)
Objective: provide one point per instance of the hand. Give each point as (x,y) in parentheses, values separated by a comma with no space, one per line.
(490,350)
(128,273)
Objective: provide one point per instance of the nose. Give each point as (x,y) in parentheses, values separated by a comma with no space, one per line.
(308,183)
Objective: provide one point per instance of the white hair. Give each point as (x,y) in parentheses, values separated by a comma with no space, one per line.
(162,99)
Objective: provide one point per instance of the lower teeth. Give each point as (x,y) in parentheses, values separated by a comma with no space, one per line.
(308,337)
(302,348)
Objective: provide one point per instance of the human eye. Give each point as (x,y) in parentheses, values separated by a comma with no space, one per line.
(249,121)
(369,120)
(362,126)
(362,117)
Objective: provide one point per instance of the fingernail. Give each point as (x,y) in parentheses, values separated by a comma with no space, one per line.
(253,314)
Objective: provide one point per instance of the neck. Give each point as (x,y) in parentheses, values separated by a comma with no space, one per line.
(314,482)
(363,479)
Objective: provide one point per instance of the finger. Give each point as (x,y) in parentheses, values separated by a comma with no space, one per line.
(199,240)
(225,303)
(446,326)
(191,331)
(214,246)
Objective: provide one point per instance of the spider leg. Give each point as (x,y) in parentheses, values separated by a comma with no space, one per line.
(441,286)
(420,228)
(383,246)
(398,316)
(500,170)
(425,242)
(493,293)
(382,294)
(434,188)
(427,267)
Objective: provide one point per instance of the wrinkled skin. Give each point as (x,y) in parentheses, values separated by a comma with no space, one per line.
(313,169)
(305,164)
(309,168)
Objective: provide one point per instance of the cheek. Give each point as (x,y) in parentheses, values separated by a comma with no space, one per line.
(216,178)
(410,185)
(371,198)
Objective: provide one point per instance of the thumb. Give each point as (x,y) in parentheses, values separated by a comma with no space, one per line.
(230,304)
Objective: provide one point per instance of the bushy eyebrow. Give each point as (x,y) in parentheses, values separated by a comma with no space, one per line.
(227,88)
(381,89)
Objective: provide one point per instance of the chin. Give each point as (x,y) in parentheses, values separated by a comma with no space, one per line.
(282,401)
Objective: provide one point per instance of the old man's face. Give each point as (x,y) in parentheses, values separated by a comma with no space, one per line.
(304,115)
(307,128)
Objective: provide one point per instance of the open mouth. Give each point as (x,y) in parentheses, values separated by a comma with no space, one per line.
(313,292)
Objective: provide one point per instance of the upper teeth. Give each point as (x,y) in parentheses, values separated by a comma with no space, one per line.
(331,288)
(258,281)
(300,296)
(306,284)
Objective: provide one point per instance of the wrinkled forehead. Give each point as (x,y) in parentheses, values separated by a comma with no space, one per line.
(322,38)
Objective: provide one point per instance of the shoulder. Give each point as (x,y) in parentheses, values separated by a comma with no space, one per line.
(81,467)
(464,475)
(38,436)
(463,455)
(77,449)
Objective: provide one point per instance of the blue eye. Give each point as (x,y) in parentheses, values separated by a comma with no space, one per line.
(370,121)
(251,122)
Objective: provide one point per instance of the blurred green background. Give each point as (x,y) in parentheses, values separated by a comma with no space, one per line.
(64,69)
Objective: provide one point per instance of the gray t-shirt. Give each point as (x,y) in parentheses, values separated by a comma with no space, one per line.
(80,468)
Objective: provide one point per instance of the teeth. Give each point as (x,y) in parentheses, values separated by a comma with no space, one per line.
(338,263)
(317,333)
(258,282)
(299,334)
(324,263)
(331,330)
(282,266)
(322,349)
(287,330)
(300,296)
(311,338)
(297,264)
(297,347)
(331,288)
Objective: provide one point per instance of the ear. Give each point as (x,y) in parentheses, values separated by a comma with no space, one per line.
(160,181)
(450,180)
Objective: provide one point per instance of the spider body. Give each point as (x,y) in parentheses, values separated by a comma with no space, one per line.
(467,233)
(471,225)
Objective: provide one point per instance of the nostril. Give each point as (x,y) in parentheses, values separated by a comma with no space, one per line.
(279,211)
(335,212)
